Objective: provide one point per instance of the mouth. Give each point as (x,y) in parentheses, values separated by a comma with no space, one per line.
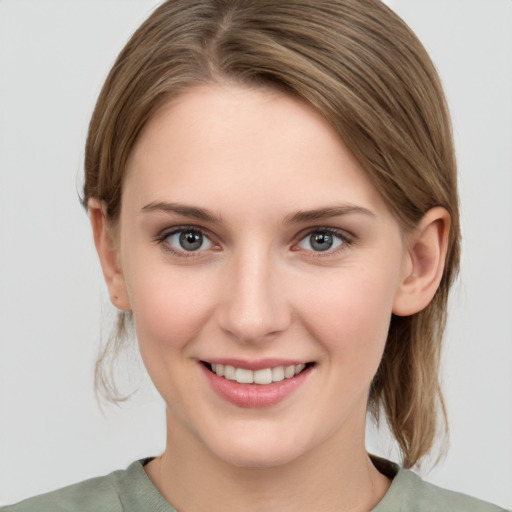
(263,376)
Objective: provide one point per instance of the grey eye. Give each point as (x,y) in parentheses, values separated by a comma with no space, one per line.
(321,241)
(189,240)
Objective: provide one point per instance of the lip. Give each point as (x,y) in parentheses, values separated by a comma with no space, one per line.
(254,396)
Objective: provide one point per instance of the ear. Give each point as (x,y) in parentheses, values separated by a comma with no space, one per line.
(109,255)
(424,263)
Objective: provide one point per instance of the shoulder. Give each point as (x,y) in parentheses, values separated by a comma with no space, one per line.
(97,494)
(409,493)
(432,498)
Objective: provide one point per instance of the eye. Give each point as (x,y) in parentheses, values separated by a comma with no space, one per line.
(322,240)
(188,240)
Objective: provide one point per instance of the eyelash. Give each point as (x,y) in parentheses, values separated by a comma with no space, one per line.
(161,239)
(345,239)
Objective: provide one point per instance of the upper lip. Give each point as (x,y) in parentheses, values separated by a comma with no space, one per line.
(258,364)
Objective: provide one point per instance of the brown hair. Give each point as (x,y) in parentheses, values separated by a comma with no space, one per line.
(361,66)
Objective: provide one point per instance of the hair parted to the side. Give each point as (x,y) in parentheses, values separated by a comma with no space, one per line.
(361,66)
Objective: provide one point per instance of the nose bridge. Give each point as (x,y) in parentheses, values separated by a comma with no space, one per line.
(255,305)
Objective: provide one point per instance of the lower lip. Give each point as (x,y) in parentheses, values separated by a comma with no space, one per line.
(254,396)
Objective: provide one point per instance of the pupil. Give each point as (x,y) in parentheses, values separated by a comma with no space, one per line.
(321,241)
(191,241)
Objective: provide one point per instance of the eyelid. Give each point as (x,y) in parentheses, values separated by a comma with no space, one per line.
(164,234)
(346,238)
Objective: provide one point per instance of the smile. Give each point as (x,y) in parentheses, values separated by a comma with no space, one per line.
(262,377)
(265,385)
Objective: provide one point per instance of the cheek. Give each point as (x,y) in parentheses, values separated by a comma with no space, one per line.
(169,309)
(351,317)
(169,306)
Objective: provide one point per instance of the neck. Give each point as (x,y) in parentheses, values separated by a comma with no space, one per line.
(336,475)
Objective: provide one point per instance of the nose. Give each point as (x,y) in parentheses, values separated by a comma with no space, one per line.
(254,306)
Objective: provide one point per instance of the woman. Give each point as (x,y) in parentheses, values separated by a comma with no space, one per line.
(272,192)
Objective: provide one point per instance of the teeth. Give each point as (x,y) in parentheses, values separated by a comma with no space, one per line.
(277,374)
(289,371)
(229,372)
(244,376)
(264,376)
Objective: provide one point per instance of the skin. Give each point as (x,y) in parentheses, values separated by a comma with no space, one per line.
(256,289)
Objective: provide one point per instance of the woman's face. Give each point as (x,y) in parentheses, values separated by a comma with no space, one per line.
(253,245)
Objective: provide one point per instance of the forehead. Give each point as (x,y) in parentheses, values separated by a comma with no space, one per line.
(216,142)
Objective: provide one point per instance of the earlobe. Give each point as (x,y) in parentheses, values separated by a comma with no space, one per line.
(108,254)
(424,267)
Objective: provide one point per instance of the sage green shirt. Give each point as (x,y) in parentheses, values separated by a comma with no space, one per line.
(131,490)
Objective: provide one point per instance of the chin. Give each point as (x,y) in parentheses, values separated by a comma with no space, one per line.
(264,451)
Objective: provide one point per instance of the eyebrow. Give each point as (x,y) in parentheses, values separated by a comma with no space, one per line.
(295,218)
(326,213)
(182,209)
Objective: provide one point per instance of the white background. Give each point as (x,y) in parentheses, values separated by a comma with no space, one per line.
(54,55)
